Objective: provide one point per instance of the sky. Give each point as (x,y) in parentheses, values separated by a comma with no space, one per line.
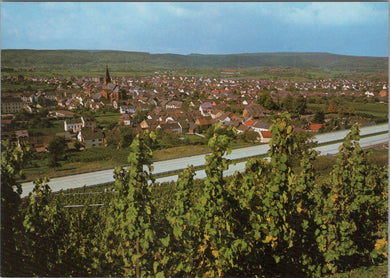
(349,28)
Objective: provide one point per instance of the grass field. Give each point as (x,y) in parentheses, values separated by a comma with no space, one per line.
(58,126)
(375,109)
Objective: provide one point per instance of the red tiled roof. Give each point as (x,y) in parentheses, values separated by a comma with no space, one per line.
(203,121)
(250,122)
(315,126)
(266,134)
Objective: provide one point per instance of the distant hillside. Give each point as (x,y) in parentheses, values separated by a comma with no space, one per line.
(123,60)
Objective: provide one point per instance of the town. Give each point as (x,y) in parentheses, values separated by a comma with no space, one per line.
(90,112)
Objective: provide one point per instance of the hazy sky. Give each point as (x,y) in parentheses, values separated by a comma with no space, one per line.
(351,28)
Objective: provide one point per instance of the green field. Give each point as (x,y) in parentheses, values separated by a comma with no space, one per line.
(374,109)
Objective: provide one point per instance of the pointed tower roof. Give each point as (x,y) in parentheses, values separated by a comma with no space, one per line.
(107,78)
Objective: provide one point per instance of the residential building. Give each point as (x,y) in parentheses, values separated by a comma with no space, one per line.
(74,125)
(174,105)
(12,105)
(91,137)
(127,109)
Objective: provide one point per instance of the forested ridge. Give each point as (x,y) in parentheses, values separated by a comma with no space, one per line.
(269,221)
(125,60)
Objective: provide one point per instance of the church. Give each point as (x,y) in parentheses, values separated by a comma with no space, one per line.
(110,90)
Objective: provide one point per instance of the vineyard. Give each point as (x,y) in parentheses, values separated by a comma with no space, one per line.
(272,220)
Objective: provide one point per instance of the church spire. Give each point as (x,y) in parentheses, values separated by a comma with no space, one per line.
(107,78)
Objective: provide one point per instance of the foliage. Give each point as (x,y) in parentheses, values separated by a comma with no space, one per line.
(350,216)
(276,219)
(84,60)
(57,150)
(319,117)
(212,210)
(130,232)
(266,100)
(45,231)
(12,161)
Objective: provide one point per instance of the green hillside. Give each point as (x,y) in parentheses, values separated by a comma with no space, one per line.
(85,60)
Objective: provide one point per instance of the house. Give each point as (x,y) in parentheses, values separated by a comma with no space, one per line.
(144,124)
(174,104)
(11,105)
(250,123)
(73,124)
(383,93)
(88,122)
(91,137)
(223,118)
(21,134)
(202,124)
(254,111)
(124,119)
(265,136)
(127,109)
(242,128)
(261,126)
(62,114)
(315,127)
(205,108)
(172,127)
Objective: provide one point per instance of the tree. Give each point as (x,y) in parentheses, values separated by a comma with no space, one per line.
(265,99)
(319,117)
(78,145)
(215,255)
(179,243)
(288,103)
(333,108)
(125,137)
(130,232)
(57,148)
(352,212)
(299,104)
(139,116)
(12,161)
(46,231)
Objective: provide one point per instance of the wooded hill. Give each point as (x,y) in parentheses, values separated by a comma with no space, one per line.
(124,61)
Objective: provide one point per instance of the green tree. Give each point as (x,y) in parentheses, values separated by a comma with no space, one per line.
(215,255)
(125,137)
(178,244)
(78,145)
(299,104)
(353,211)
(246,192)
(12,161)
(130,231)
(57,148)
(319,117)
(288,103)
(139,116)
(265,99)
(46,232)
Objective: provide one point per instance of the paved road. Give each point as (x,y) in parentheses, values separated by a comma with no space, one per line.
(324,150)
(106,176)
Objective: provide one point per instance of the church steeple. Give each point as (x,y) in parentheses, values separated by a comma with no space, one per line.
(107,78)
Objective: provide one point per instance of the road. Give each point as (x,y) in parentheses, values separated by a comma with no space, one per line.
(106,176)
(324,150)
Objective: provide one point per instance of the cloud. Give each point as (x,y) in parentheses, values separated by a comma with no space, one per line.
(334,13)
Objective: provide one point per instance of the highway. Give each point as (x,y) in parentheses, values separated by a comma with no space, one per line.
(106,176)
